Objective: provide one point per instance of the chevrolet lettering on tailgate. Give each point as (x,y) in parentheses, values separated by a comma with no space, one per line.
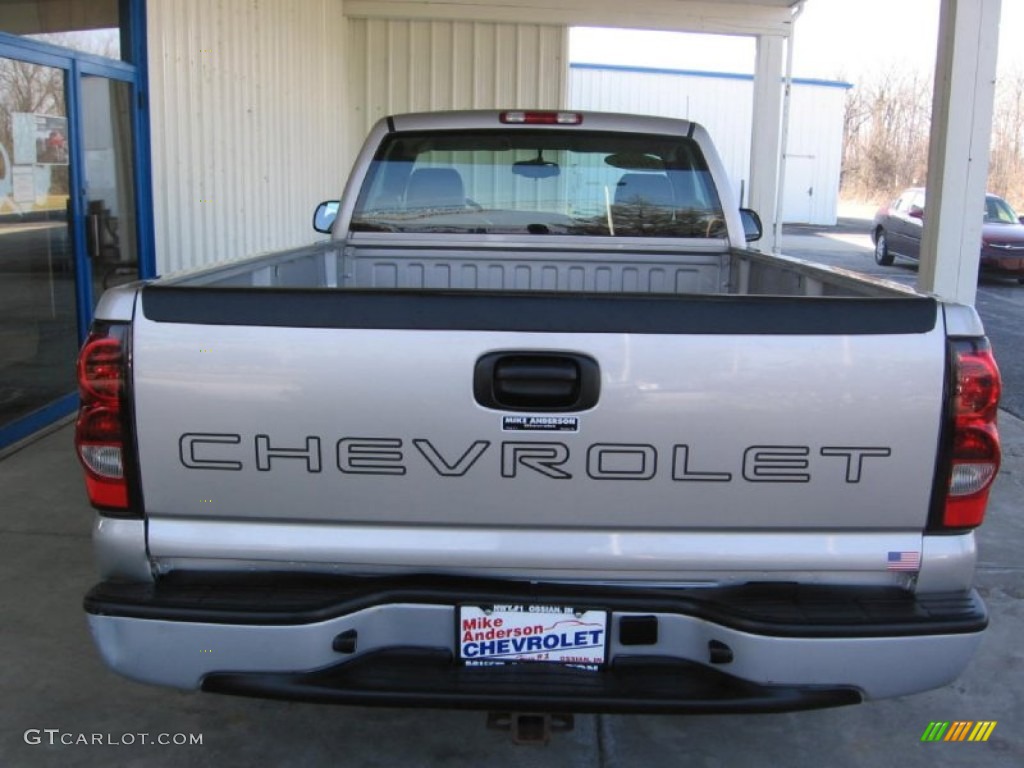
(387,456)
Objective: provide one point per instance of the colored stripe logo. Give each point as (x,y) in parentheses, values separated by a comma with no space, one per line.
(959,730)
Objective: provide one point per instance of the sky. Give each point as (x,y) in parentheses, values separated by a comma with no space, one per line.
(834,40)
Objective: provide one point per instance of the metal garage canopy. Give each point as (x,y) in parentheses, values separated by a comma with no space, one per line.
(725,17)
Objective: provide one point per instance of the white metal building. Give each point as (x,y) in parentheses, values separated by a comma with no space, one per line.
(723,103)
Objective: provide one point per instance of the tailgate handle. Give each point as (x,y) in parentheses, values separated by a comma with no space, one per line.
(536,381)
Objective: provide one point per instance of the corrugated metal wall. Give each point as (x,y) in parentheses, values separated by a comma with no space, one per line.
(258,107)
(248,120)
(724,105)
(415,66)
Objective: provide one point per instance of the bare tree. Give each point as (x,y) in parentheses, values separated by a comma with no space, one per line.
(886,140)
(1006,161)
(887,125)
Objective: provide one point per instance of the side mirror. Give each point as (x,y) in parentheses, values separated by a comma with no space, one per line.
(324,216)
(916,212)
(1020,219)
(752,229)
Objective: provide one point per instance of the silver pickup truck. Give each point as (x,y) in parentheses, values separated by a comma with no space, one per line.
(537,430)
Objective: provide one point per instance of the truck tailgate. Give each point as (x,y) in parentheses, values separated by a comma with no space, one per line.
(343,413)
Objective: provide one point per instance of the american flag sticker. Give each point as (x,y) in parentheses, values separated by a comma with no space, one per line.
(903,561)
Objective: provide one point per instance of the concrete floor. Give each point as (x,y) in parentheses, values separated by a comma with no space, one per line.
(52,679)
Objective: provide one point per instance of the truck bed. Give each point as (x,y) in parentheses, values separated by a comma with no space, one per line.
(699,269)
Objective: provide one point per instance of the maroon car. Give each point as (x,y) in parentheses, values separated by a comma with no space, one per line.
(897,232)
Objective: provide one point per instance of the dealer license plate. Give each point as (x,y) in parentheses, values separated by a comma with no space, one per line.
(516,633)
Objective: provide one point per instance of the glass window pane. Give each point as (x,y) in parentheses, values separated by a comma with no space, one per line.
(109,182)
(89,26)
(539,182)
(38,324)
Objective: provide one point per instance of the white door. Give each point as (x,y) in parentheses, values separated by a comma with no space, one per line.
(798,196)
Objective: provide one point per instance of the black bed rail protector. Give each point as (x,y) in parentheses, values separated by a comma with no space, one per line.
(538,313)
(406,678)
(778,610)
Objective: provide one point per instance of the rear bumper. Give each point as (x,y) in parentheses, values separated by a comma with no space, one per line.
(631,685)
(393,642)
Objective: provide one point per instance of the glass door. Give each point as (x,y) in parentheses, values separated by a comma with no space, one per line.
(39,332)
(110,220)
(73,152)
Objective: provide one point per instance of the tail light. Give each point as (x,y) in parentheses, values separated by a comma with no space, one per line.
(102,429)
(973,450)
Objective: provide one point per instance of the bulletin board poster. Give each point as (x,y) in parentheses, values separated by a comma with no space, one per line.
(40,139)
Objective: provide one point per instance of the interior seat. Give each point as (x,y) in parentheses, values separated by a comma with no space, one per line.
(435,188)
(653,189)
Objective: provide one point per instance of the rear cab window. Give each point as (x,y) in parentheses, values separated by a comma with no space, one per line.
(541,182)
